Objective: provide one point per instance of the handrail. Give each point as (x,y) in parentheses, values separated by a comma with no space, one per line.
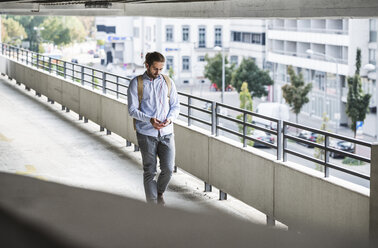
(89,75)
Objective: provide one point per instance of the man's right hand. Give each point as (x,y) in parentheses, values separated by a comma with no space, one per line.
(156,123)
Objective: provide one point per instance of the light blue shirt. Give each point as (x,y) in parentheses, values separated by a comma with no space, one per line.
(154,105)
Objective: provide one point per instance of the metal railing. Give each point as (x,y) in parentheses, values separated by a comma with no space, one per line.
(325,147)
(212,114)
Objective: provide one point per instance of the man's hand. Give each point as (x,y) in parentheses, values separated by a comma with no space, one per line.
(156,123)
(167,122)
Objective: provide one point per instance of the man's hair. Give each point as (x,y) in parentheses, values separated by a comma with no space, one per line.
(154,57)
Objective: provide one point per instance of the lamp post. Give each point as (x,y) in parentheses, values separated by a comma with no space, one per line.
(338,86)
(38,30)
(368,68)
(217,48)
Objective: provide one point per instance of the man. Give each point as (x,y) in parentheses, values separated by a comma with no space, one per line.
(154,115)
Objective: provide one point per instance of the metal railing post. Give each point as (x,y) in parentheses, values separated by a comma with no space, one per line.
(213,118)
(93,82)
(49,64)
(244,129)
(27,56)
(279,144)
(37,60)
(104,82)
(65,69)
(326,156)
(18,51)
(82,75)
(216,120)
(284,143)
(189,110)
(117,80)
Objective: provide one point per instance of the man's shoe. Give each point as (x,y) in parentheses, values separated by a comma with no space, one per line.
(160,200)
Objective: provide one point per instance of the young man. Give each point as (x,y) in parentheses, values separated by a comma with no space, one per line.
(154,115)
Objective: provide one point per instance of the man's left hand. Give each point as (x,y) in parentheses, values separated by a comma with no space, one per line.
(167,122)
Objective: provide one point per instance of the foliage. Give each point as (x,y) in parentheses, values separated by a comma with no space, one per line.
(213,70)
(352,161)
(319,153)
(247,104)
(257,79)
(357,102)
(100,42)
(171,73)
(12,32)
(29,23)
(295,93)
(55,31)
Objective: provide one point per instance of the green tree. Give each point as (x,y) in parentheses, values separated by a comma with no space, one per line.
(247,104)
(257,79)
(357,102)
(76,26)
(319,153)
(295,93)
(213,70)
(55,31)
(30,23)
(12,32)
(171,73)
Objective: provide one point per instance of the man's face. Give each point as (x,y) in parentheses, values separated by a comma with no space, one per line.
(155,69)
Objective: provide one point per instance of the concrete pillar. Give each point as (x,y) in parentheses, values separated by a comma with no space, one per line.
(374,194)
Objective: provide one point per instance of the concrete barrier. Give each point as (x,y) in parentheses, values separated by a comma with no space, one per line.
(90,104)
(192,150)
(54,88)
(71,96)
(114,115)
(291,194)
(303,197)
(3,64)
(242,173)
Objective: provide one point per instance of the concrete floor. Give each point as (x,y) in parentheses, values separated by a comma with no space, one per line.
(40,140)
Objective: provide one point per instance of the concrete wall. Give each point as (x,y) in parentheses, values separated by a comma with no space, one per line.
(288,192)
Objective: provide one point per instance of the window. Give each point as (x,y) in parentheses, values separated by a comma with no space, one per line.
(185,33)
(169,33)
(169,63)
(185,81)
(136,32)
(148,33)
(201,58)
(111,30)
(201,37)
(256,38)
(234,59)
(218,36)
(101,28)
(372,59)
(247,38)
(185,63)
(373,30)
(236,36)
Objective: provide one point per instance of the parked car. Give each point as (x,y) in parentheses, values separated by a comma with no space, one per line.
(74,61)
(271,109)
(263,136)
(342,145)
(307,135)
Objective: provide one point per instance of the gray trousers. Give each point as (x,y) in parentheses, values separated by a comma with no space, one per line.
(151,148)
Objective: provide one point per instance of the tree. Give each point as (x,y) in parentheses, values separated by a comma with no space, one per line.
(55,31)
(357,102)
(12,32)
(213,70)
(171,73)
(318,152)
(247,104)
(257,79)
(29,23)
(295,93)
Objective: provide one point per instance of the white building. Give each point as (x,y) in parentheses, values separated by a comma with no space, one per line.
(324,50)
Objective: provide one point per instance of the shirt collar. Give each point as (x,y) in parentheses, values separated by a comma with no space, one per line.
(145,76)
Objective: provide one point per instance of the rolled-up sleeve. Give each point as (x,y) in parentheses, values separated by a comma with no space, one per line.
(174,105)
(133,102)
